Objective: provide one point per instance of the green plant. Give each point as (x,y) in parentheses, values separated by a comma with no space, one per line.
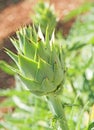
(77,55)
(85,7)
(41,67)
(80,53)
(44,16)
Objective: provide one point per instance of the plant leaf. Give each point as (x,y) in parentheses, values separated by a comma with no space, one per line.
(30,49)
(42,52)
(6,68)
(13,56)
(45,70)
(15,44)
(30,84)
(47,86)
(91,126)
(28,67)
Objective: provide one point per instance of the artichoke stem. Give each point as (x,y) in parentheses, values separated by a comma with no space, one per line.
(58,111)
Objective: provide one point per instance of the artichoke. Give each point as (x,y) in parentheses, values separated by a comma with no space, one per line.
(40,66)
(39,62)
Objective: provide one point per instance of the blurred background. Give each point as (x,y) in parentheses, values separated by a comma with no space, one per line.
(74,22)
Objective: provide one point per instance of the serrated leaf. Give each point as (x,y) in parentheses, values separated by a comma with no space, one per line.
(28,67)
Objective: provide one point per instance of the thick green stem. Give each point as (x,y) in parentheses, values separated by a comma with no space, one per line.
(58,111)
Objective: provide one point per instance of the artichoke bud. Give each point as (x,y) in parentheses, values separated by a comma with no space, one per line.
(40,62)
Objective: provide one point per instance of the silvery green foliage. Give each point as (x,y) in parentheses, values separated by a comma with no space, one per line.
(40,61)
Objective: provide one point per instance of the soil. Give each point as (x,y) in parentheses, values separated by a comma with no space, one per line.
(13,17)
(6,3)
(15,14)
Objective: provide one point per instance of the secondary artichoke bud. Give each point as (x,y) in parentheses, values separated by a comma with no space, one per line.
(40,61)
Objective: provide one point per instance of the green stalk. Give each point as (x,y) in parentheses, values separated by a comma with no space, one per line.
(58,111)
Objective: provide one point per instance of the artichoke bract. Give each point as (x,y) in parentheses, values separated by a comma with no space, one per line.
(39,61)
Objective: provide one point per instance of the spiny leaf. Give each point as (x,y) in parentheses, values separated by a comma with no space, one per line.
(21,39)
(13,56)
(40,34)
(16,44)
(6,68)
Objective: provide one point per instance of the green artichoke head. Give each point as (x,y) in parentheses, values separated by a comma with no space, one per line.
(39,61)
